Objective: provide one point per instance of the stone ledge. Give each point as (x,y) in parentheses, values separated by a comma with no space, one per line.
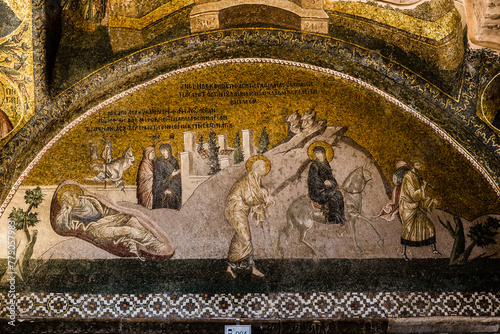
(444,325)
(282,326)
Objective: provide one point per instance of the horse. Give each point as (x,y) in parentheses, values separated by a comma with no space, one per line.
(302,215)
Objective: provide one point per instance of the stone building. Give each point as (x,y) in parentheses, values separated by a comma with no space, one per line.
(194,163)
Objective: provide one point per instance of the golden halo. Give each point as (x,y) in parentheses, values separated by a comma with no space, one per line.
(66,188)
(328,148)
(160,142)
(253,159)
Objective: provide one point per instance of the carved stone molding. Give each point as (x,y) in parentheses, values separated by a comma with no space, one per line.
(305,15)
(483,19)
(133,24)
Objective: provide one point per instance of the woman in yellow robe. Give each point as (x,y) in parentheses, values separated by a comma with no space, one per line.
(247,198)
(418,230)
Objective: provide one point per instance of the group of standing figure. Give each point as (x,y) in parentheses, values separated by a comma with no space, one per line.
(159,180)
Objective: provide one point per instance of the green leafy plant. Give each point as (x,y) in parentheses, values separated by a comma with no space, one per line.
(25,220)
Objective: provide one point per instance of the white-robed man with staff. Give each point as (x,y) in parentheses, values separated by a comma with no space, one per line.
(247,199)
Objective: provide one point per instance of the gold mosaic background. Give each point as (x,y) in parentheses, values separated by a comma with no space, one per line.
(16,69)
(380,127)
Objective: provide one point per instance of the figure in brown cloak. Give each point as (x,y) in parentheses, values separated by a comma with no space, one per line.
(145,178)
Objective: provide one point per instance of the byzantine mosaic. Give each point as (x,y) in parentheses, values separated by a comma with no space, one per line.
(450,112)
(16,68)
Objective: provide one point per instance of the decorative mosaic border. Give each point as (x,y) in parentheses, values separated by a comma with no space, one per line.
(254,305)
(115,98)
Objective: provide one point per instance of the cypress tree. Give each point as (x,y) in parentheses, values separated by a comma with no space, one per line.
(213,153)
(263,142)
(238,153)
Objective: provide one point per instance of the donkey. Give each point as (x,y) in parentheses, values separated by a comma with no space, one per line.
(113,171)
(301,215)
(353,187)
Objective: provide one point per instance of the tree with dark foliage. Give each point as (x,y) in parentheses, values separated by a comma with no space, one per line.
(481,235)
(213,153)
(263,142)
(238,153)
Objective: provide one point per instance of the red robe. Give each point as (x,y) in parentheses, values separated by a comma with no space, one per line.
(5,124)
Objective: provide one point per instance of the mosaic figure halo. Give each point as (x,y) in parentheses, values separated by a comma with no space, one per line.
(161,142)
(255,158)
(328,148)
(66,188)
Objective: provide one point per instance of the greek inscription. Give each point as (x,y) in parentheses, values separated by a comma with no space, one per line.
(182,118)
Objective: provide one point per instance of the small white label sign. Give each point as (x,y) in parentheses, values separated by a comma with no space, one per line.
(237,329)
